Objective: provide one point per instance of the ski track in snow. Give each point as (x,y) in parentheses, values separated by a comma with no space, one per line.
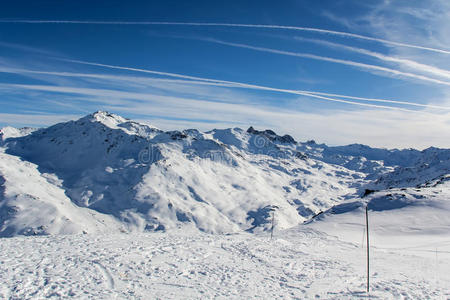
(296,264)
(109,280)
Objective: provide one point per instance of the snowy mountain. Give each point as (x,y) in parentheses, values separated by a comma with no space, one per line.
(105,173)
(11,132)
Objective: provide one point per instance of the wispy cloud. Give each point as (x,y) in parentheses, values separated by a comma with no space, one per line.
(34,119)
(110,95)
(265,88)
(296,28)
(116,79)
(372,127)
(420,22)
(382,100)
(175,101)
(28,49)
(376,127)
(420,67)
(333,60)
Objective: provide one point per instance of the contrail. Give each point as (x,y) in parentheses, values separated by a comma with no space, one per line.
(309,29)
(145,71)
(379,100)
(253,86)
(329,59)
(104,76)
(62,89)
(406,62)
(202,81)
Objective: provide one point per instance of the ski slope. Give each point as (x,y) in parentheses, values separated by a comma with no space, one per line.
(300,263)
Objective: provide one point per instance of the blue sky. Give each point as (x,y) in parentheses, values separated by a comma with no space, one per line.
(372,72)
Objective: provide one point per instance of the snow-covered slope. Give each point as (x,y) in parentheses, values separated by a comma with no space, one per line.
(135,177)
(34,203)
(11,132)
(373,161)
(106,174)
(407,219)
(297,264)
(433,164)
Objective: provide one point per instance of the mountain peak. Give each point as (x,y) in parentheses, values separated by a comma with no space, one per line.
(106,118)
(11,132)
(114,121)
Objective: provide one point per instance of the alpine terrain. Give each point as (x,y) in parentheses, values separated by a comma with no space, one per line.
(107,207)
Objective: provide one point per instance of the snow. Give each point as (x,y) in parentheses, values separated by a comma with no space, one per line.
(11,132)
(105,207)
(411,219)
(147,179)
(34,203)
(297,264)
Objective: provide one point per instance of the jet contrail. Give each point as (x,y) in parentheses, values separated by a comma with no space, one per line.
(62,89)
(379,100)
(104,76)
(310,29)
(259,87)
(203,81)
(329,59)
(405,62)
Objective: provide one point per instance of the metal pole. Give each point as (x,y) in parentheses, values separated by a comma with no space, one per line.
(367,233)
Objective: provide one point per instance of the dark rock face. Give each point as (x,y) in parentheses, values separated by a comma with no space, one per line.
(252,130)
(271,135)
(287,139)
(177,135)
(301,155)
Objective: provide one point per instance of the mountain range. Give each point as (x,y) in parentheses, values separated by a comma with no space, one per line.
(105,173)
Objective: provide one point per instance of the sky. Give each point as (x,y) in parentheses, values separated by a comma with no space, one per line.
(338,72)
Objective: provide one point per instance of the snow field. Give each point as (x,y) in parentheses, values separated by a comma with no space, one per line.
(300,263)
